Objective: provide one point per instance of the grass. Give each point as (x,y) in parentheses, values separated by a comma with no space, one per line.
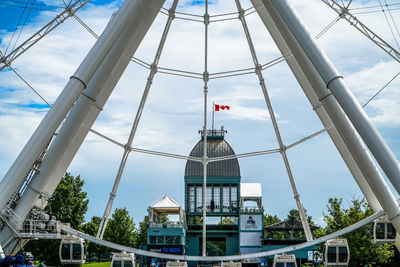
(97,264)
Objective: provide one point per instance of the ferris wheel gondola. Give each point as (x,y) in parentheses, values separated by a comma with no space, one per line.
(123,259)
(72,250)
(285,260)
(384,232)
(337,253)
(177,264)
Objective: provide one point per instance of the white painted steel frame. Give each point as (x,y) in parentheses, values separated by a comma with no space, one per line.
(307,86)
(344,13)
(127,147)
(282,147)
(47,128)
(335,83)
(205,158)
(69,11)
(104,65)
(323,102)
(372,178)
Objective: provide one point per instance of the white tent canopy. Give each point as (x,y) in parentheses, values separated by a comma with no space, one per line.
(165,205)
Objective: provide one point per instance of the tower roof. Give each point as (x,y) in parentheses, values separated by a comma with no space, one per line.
(216,147)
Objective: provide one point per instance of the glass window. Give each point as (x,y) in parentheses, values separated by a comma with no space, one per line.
(172,240)
(160,240)
(76,251)
(117,264)
(128,264)
(199,199)
(280,264)
(234,201)
(225,199)
(391,232)
(380,231)
(217,199)
(191,198)
(290,264)
(343,254)
(332,254)
(66,251)
(152,239)
(208,197)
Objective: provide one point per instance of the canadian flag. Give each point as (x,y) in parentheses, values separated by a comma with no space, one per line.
(220,107)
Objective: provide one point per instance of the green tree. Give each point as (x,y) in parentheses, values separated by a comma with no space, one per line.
(95,251)
(121,228)
(227,221)
(69,204)
(362,248)
(295,214)
(142,234)
(270,220)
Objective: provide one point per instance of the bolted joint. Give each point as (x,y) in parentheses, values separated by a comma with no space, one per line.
(204,160)
(206,19)
(206,76)
(258,71)
(296,196)
(112,195)
(282,149)
(171,13)
(127,148)
(153,68)
(343,12)
(241,14)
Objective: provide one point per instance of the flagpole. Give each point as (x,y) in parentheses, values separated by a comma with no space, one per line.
(213,108)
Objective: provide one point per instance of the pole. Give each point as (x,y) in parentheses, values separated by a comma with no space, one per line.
(213,109)
(205,159)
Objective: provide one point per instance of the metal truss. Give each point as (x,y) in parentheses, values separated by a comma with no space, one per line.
(344,13)
(69,11)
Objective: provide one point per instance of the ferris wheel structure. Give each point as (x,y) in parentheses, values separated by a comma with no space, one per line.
(38,169)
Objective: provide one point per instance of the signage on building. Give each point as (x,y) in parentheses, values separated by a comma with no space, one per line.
(251,222)
(171,249)
(250,239)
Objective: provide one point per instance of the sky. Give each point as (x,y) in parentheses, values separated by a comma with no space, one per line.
(173,113)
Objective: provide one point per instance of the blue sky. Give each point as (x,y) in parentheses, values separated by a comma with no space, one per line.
(173,113)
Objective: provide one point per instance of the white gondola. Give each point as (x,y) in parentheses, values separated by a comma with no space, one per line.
(285,260)
(384,231)
(72,250)
(337,253)
(231,264)
(177,264)
(123,259)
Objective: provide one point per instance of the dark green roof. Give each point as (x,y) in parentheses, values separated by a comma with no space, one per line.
(216,147)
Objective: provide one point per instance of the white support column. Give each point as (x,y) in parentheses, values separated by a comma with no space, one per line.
(318,107)
(88,106)
(355,145)
(78,82)
(335,82)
